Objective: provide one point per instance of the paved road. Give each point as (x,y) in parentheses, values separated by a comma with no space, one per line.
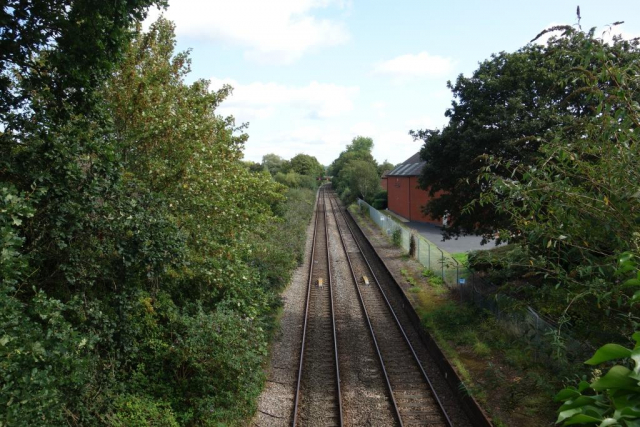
(462,244)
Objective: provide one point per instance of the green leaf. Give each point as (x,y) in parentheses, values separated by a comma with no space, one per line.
(583,386)
(567,393)
(616,378)
(582,419)
(609,352)
(636,338)
(632,282)
(581,401)
(563,415)
(608,422)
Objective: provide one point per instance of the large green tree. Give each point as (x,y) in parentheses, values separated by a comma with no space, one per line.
(274,164)
(506,108)
(359,149)
(130,291)
(305,164)
(576,209)
(189,157)
(361,178)
(64,210)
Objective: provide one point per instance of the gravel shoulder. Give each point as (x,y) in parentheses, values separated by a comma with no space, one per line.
(275,404)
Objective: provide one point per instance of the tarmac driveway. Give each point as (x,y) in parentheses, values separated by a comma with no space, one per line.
(433,233)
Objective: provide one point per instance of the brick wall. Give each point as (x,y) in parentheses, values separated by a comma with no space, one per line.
(407,200)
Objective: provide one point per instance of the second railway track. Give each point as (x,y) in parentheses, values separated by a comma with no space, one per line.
(414,399)
(360,321)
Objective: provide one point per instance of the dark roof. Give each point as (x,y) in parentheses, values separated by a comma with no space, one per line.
(385,173)
(410,167)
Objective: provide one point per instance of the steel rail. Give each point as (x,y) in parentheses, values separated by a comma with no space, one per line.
(306,315)
(406,338)
(333,319)
(366,315)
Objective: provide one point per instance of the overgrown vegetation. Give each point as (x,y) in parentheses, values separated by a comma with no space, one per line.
(576,209)
(498,368)
(356,174)
(544,146)
(142,258)
(552,169)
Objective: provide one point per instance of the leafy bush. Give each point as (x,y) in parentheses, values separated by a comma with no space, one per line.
(380,200)
(396,237)
(141,257)
(294,180)
(434,279)
(137,411)
(612,399)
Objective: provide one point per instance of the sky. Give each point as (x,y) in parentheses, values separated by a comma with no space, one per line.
(310,75)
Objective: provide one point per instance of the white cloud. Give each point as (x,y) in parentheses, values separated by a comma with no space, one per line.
(410,66)
(272,31)
(260,100)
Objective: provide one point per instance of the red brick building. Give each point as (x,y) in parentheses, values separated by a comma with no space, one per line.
(404,197)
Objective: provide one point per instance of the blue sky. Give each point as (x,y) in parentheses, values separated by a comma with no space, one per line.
(309,75)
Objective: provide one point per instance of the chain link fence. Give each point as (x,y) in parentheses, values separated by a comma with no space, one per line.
(542,334)
(440,262)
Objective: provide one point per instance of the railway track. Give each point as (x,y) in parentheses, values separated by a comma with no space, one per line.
(412,394)
(317,397)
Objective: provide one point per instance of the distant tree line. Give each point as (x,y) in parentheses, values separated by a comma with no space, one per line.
(302,171)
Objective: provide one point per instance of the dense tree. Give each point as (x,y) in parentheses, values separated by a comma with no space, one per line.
(576,210)
(216,201)
(359,149)
(385,167)
(305,164)
(135,282)
(507,108)
(362,179)
(294,180)
(64,209)
(274,164)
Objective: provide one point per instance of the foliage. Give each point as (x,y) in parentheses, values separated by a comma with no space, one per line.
(512,105)
(305,164)
(281,244)
(434,278)
(274,164)
(295,180)
(136,286)
(380,199)
(353,165)
(385,167)
(396,237)
(137,411)
(498,367)
(612,399)
(578,206)
(361,178)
